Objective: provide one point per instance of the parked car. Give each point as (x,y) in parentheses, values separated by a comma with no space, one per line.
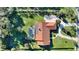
(31,32)
(78,32)
(77,22)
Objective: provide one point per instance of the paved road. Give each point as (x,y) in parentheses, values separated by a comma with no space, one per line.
(68,37)
(62,24)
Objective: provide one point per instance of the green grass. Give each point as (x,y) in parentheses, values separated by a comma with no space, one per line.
(59,42)
(71,30)
(30,22)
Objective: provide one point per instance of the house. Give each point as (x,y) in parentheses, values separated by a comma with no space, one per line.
(42,34)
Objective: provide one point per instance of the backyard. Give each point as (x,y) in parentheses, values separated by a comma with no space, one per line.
(62,43)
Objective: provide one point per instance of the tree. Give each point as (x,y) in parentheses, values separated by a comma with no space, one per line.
(69,14)
(4,28)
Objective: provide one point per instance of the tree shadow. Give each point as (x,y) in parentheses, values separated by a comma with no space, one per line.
(64,20)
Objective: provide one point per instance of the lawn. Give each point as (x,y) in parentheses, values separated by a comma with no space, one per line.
(59,42)
(30,22)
